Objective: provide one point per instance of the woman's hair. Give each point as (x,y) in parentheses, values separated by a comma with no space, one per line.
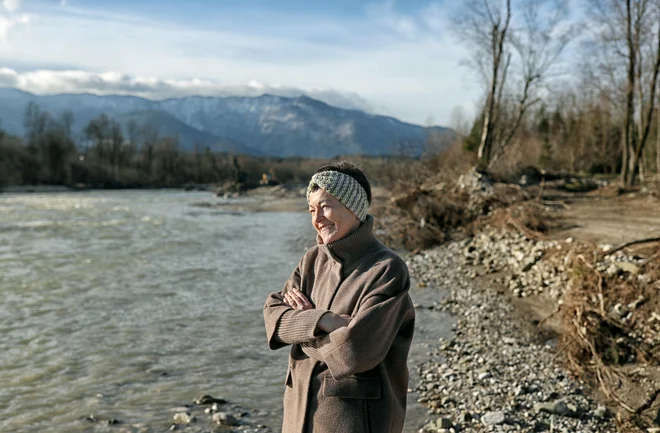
(349,169)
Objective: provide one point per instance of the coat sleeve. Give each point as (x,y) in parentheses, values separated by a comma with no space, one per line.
(365,342)
(285,325)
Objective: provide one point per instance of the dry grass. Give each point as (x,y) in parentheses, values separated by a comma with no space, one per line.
(430,207)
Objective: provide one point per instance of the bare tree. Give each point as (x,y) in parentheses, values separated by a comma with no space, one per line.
(628,34)
(501,42)
(657,142)
(484,27)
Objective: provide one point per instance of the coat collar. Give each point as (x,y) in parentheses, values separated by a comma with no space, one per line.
(352,247)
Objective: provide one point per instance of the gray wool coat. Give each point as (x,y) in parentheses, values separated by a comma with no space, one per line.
(355,379)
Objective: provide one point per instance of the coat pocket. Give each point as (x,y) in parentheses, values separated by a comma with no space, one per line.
(352,387)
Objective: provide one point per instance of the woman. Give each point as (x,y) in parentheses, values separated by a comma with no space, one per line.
(348,316)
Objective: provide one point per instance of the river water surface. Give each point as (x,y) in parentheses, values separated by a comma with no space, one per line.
(125,304)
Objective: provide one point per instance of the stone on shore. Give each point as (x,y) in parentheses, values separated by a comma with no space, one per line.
(494,368)
(558,407)
(183,418)
(224,418)
(493,418)
(207,399)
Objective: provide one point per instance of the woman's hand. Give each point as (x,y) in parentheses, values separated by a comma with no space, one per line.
(331,322)
(297,300)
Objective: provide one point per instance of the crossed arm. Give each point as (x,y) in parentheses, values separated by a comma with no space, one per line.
(328,322)
(347,345)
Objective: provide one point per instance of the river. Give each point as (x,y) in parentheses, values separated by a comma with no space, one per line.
(125,304)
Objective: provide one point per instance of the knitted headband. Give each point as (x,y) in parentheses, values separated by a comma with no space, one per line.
(345,189)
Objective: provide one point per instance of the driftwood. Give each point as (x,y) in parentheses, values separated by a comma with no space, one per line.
(629,244)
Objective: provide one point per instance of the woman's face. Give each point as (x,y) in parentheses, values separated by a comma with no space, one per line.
(331,219)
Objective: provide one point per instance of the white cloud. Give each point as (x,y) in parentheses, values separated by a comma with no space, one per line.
(9,20)
(404,65)
(11,5)
(115,83)
(7,24)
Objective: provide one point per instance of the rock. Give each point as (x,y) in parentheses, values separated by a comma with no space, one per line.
(601,412)
(444,423)
(618,311)
(207,399)
(225,418)
(631,268)
(493,418)
(557,407)
(484,375)
(430,427)
(541,427)
(612,270)
(464,418)
(183,418)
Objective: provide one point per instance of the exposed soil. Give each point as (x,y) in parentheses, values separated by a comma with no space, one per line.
(608,220)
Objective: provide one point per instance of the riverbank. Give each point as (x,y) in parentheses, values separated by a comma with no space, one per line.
(497,373)
(514,364)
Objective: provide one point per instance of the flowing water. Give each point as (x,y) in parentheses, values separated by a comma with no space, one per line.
(125,304)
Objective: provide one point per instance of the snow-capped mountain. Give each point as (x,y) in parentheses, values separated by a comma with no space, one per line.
(267,125)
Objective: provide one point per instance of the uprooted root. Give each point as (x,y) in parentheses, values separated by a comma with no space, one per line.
(610,320)
(422,216)
(530,218)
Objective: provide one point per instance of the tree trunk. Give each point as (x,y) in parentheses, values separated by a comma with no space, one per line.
(484,146)
(657,144)
(638,148)
(624,159)
(498,37)
(629,134)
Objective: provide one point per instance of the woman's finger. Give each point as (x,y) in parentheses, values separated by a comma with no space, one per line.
(300,297)
(289,300)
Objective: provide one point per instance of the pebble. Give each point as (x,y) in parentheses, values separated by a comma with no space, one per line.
(493,418)
(444,423)
(558,407)
(493,369)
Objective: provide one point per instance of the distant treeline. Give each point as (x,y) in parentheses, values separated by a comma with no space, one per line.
(105,155)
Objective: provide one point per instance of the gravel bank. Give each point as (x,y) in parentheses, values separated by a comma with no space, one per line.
(496,373)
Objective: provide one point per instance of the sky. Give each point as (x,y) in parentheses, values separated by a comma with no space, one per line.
(398,58)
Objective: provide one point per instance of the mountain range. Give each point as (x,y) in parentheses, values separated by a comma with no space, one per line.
(262,125)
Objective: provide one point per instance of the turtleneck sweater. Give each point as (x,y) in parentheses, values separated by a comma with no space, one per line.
(366,360)
(301,326)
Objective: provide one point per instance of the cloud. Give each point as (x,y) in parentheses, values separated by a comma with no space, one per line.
(7,24)
(403,64)
(11,5)
(115,83)
(9,20)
